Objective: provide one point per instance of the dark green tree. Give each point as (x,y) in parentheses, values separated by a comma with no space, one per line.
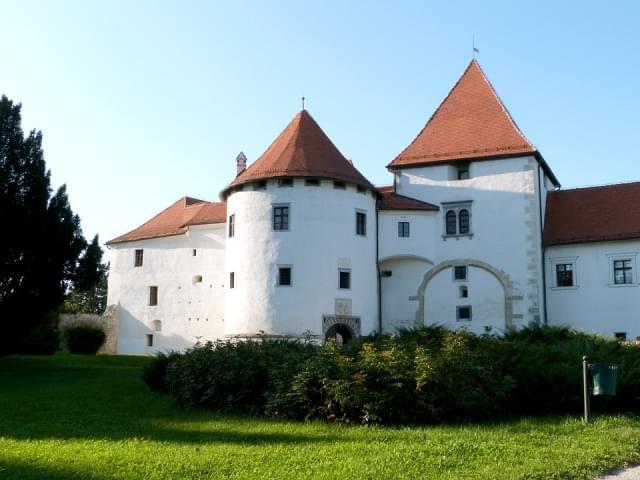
(41,240)
(89,294)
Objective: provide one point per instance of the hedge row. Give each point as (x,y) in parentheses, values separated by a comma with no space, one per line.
(427,375)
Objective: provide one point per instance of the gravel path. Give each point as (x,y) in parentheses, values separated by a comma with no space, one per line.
(624,474)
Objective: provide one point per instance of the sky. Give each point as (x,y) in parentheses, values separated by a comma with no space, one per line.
(143,102)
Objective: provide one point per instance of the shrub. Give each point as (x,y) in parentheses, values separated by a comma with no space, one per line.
(83,339)
(154,374)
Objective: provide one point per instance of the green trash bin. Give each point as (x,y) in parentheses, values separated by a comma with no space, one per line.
(604,377)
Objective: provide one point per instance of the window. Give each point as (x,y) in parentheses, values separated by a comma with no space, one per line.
(463,171)
(281,217)
(340,185)
(361,223)
(139,254)
(232,280)
(457,219)
(196,279)
(285,182)
(621,336)
(194,252)
(464,292)
(360,189)
(564,275)
(153,296)
(312,182)
(284,276)
(622,272)
(460,272)
(403,229)
(344,278)
(386,273)
(260,185)
(232,225)
(149,340)
(463,313)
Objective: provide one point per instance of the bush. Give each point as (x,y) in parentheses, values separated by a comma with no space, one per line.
(428,375)
(83,339)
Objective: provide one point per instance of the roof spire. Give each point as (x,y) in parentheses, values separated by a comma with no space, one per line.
(303,102)
(473,47)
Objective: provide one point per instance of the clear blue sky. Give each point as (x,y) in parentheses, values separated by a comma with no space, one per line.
(141,102)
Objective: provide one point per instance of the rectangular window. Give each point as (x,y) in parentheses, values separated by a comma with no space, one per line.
(463,171)
(360,189)
(284,276)
(622,272)
(345,279)
(149,340)
(194,252)
(564,275)
(361,223)
(232,225)
(463,313)
(403,229)
(281,218)
(460,272)
(285,182)
(312,182)
(340,185)
(153,296)
(260,185)
(139,255)
(232,280)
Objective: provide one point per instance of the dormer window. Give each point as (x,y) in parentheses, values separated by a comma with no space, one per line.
(285,182)
(260,185)
(339,185)
(462,171)
(312,182)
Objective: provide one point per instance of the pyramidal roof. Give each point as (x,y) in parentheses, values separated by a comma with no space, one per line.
(302,150)
(470,123)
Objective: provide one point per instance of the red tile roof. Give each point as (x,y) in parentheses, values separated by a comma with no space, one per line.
(470,123)
(389,200)
(175,219)
(609,212)
(301,150)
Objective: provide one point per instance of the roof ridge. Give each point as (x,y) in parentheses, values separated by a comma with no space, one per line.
(597,187)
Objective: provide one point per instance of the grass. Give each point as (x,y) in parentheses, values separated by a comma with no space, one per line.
(75,417)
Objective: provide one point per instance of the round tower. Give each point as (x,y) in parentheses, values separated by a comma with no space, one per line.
(301,247)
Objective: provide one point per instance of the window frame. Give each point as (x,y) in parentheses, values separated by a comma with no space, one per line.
(232,225)
(463,171)
(453,214)
(459,309)
(232,280)
(348,272)
(137,257)
(630,269)
(275,206)
(555,261)
(361,228)
(402,232)
(279,279)
(561,270)
(466,273)
(153,295)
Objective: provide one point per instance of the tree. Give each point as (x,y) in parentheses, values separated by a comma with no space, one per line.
(89,294)
(42,239)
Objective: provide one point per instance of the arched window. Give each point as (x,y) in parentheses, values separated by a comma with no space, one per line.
(451,222)
(463,221)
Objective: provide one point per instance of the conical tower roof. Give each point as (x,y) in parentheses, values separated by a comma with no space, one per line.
(470,123)
(302,150)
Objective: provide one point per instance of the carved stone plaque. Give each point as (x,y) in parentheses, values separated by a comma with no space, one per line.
(343,306)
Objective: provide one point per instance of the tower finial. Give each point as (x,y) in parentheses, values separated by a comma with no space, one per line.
(303,102)
(473,47)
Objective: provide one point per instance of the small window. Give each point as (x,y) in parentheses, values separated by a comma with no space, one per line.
(386,273)
(403,229)
(361,223)
(196,279)
(153,296)
(340,185)
(194,252)
(345,279)
(360,189)
(312,182)
(464,292)
(460,272)
(139,255)
(564,275)
(463,171)
(232,280)
(284,276)
(621,336)
(281,218)
(232,225)
(622,272)
(285,182)
(463,313)
(149,340)
(463,221)
(451,222)
(260,185)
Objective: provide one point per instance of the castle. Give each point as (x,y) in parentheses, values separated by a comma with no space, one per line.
(474,232)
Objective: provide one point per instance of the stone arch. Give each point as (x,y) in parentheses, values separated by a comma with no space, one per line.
(405,257)
(500,275)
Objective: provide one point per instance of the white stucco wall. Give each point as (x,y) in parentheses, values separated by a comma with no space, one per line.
(321,239)
(595,304)
(187,310)
(505,223)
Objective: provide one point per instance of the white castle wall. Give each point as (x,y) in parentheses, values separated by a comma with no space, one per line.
(595,304)
(321,240)
(186,310)
(505,223)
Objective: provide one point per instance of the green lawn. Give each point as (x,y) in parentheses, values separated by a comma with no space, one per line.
(73,417)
